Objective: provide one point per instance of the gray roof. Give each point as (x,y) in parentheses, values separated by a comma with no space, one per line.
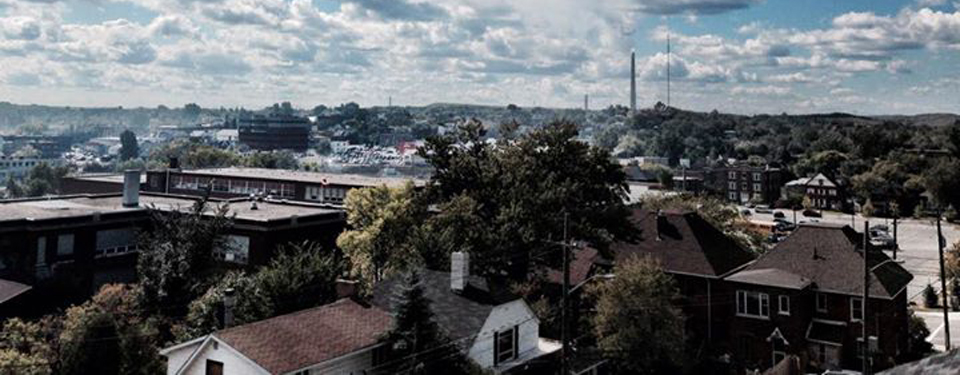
(10,289)
(771,277)
(940,364)
(305,176)
(458,314)
(87,205)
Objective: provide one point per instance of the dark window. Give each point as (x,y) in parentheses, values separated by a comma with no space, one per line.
(821,302)
(505,343)
(214,367)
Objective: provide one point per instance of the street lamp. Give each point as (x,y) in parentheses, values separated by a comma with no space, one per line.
(605,276)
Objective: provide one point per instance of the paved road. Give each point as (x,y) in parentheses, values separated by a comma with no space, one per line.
(934,320)
(918,244)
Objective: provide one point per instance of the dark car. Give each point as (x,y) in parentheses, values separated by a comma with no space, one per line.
(746,212)
(784,226)
(779,215)
(811,213)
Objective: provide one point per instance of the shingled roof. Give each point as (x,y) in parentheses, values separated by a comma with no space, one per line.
(294,341)
(941,364)
(683,242)
(458,314)
(830,257)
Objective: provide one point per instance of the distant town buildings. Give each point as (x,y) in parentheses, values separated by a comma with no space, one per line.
(742,182)
(821,192)
(275,132)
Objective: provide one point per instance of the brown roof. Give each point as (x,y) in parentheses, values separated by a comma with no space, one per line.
(683,242)
(580,267)
(294,341)
(830,257)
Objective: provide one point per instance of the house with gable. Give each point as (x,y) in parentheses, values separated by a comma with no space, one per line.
(804,298)
(493,327)
(698,255)
(339,338)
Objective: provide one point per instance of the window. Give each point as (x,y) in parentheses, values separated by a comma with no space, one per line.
(856,309)
(505,345)
(42,251)
(113,242)
(214,367)
(732,196)
(821,302)
(732,175)
(65,244)
(784,305)
(743,186)
(753,304)
(756,176)
(732,185)
(757,187)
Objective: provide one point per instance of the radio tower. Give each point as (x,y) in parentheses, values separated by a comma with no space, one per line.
(668,68)
(633,82)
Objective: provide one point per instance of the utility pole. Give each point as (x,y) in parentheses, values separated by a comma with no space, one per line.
(865,351)
(896,244)
(564,362)
(943,283)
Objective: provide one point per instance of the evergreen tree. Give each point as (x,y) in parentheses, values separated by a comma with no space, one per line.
(129,149)
(418,346)
(13,188)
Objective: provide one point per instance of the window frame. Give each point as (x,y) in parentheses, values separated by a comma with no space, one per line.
(821,306)
(853,309)
(513,352)
(780,305)
(762,304)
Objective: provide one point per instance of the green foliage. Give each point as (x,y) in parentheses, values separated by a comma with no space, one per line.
(206,312)
(520,189)
(917,344)
(107,335)
(417,344)
(943,182)
(636,322)
(382,220)
(176,256)
(191,110)
(194,155)
(43,179)
(868,210)
(13,188)
(301,276)
(28,347)
(271,160)
(129,149)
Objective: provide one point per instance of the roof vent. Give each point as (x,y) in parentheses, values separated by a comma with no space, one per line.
(459,271)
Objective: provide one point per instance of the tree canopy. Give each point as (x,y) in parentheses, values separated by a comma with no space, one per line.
(129,149)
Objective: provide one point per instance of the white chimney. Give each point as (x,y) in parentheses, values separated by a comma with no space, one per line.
(229,302)
(131,188)
(459,271)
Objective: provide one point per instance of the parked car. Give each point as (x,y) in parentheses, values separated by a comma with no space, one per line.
(746,212)
(779,215)
(763,210)
(882,239)
(782,225)
(812,213)
(880,228)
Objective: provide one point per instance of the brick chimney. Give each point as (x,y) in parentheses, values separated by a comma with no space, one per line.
(346,288)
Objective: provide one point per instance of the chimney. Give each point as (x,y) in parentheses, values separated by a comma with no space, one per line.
(229,301)
(661,221)
(459,271)
(346,288)
(131,188)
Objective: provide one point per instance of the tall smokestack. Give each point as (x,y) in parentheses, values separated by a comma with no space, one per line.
(633,82)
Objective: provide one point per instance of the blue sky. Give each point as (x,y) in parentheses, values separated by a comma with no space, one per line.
(742,56)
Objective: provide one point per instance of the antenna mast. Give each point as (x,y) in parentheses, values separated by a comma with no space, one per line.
(668,67)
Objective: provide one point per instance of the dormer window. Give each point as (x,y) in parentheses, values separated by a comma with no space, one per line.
(505,345)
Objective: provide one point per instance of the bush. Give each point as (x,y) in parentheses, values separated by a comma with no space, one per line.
(930,298)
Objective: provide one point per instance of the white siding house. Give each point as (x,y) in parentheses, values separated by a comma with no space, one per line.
(339,338)
(514,315)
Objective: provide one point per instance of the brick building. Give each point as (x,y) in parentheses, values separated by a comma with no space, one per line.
(804,298)
(742,183)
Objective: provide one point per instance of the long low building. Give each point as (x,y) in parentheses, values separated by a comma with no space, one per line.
(329,188)
(83,241)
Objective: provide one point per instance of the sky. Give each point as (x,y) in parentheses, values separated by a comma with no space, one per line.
(740,56)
